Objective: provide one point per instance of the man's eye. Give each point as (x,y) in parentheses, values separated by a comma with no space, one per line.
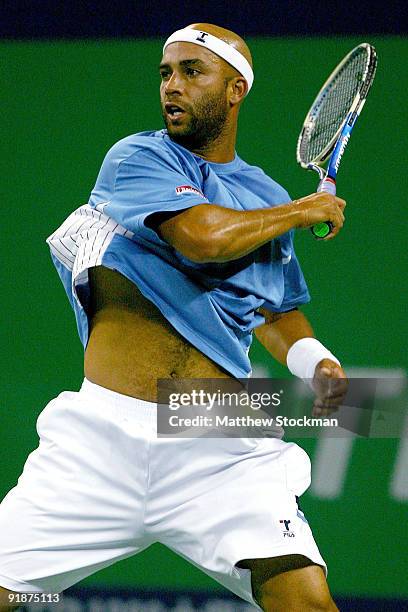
(164,75)
(192,72)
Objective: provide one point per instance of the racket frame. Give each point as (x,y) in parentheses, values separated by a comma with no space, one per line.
(339,141)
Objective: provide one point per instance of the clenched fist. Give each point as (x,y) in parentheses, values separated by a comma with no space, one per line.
(330,385)
(319,207)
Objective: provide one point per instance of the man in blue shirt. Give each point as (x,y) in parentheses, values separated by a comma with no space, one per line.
(181,253)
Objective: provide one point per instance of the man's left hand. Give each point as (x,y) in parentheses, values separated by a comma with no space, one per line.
(330,385)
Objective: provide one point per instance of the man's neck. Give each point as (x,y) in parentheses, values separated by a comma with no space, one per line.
(218,155)
(221,150)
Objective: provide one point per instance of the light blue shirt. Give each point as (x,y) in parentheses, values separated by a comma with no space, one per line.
(212,305)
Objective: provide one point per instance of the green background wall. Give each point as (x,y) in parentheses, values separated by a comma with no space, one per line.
(66,104)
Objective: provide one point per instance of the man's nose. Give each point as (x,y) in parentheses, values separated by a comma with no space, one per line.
(174,84)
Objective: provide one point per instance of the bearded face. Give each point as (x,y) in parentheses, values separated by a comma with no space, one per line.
(197,123)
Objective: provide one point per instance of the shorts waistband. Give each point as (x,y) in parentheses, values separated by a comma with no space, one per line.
(143,410)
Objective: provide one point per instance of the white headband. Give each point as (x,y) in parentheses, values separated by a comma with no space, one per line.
(217,46)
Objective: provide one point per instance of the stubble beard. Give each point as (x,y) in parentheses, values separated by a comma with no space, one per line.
(205,124)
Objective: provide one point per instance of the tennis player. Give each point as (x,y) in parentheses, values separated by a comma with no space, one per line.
(183,251)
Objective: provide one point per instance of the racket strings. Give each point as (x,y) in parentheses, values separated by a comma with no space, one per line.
(332,106)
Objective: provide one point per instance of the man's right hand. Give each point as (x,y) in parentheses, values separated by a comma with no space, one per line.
(319,207)
(211,233)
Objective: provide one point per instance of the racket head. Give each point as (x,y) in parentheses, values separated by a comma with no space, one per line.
(344,92)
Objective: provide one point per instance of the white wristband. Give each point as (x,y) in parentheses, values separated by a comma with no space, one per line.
(304,355)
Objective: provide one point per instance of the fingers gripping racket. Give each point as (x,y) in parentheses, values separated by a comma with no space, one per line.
(331,118)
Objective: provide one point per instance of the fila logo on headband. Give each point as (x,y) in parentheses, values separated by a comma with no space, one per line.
(201,38)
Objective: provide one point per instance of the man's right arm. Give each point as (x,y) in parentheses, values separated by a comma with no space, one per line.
(212,233)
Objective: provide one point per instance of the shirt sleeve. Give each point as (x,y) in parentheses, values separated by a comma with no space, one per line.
(148,182)
(295,291)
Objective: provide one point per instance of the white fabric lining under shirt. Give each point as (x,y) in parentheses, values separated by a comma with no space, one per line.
(81,241)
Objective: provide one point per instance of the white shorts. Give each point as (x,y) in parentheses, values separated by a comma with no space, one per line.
(102,487)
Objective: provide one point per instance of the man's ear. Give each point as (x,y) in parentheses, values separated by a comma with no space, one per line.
(238,89)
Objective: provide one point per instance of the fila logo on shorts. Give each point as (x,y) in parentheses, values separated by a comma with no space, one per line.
(287,533)
(189,189)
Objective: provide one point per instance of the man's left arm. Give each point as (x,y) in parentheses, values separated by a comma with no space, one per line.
(284,331)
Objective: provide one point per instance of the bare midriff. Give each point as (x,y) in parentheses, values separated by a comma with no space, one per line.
(131,344)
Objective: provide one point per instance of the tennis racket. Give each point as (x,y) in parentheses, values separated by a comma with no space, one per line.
(331,118)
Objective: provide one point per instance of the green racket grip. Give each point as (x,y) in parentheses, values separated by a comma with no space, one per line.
(323,229)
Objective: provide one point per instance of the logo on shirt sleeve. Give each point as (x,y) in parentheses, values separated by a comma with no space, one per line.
(189,189)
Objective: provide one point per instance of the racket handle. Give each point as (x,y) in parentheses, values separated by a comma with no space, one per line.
(323,229)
